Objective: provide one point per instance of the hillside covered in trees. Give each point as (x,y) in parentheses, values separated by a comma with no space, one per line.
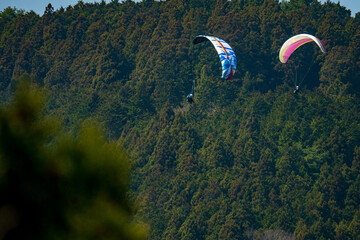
(249,159)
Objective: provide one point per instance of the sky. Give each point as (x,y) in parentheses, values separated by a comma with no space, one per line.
(353,5)
(38,6)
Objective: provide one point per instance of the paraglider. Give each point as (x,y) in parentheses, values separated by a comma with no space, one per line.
(297,89)
(294,43)
(226,54)
(189,98)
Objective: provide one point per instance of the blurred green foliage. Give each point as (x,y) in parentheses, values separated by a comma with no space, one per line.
(56,185)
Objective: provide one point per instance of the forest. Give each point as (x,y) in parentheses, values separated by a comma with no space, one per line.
(249,159)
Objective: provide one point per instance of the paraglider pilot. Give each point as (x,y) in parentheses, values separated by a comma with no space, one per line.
(189,98)
(296,89)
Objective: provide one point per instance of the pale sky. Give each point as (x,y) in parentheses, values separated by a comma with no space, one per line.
(39,5)
(353,5)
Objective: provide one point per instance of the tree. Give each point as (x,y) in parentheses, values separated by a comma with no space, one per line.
(57,186)
(49,10)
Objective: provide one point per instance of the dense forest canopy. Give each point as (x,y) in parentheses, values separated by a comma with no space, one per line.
(249,159)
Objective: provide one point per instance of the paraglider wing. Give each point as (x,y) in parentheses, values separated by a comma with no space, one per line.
(295,42)
(226,54)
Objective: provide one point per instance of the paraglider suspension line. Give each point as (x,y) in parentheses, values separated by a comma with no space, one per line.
(306,74)
(296,78)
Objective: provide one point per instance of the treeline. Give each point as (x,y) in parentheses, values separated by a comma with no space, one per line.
(249,158)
